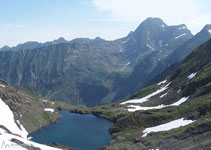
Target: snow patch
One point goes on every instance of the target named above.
(182, 100)
(2, 85)
(209, 31)
(49, 109)
(9, 145)
(180, 36)
(167, 126)
(151, 47)
(162, 82)
(7, 120)
(133, 108)
(182, 28)
(179, 91)
(128, 63)
(163, 95)
(192, 75)
(163, 26)
(148, 36)
(6, 143)
(45, 101)
(123, 42)
(146, 98)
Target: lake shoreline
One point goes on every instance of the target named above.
(100, 127)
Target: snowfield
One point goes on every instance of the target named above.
(6, 139)
(182, 100)
(133, 108)
(7, 120)
(146, 98)
(19, 133)
(167, 126)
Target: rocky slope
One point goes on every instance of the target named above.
(93, 72)
(151, 67)
(173, 114)
(21, 114)
(180, 53)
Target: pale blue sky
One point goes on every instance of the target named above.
(45, 20)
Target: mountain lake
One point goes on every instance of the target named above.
(82, 132)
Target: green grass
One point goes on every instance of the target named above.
(145, 91)
(192, 109)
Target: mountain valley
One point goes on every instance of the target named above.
(154, 85)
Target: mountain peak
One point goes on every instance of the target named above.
(5, 48)
(151, 19)
(98, 39)
(61, 39)
(154, 21)
(150, 24)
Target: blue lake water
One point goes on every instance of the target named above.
(83, 132)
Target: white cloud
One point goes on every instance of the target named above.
(21, 25)
(8, 25)
(15, 26)
(194, 13)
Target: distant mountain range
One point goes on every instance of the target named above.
(34, 44)
(96, 71)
